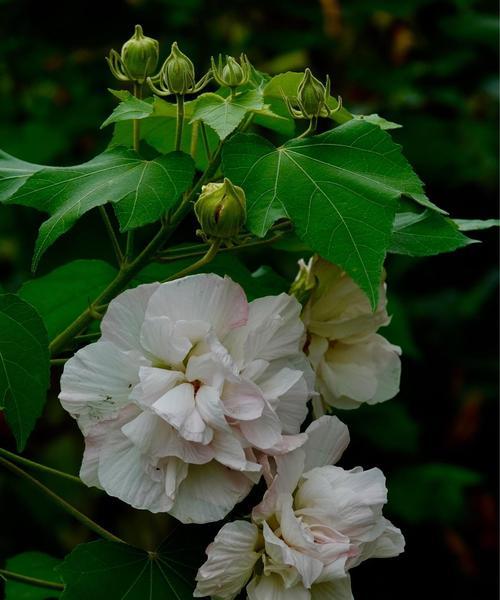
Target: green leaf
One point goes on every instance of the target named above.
(224, 115)
(425, 234)
(142, 191)
(61, 295)
(112, 571)
(431, 492)
(24, 365)
(339, 188)
(32, 564)
(13, 174)
(476, 224)
(158, 131)
(379, 121)
(130, 108)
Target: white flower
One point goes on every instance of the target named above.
(186, 382)
(353, 364)
(314, 524)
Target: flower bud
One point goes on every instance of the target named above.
(178, 72)
(305, 281)
(140, 55)
(233, 73)
(312, 96)
(221, 210)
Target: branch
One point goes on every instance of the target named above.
(49, 585)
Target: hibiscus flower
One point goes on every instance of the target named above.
(187, 382)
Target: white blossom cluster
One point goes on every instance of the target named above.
(193, 394)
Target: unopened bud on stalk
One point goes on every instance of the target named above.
(138, 59)
(221, 210)
(312, 95)
(177, 76)
(233, 73)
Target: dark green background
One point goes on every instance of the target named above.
(429, 65)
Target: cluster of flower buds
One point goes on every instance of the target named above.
(232, 74)
(312, 99)
(138, 58)
(221, 211)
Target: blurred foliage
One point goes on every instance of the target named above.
(430, 65)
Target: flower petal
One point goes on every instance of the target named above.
(209, 298)
(263, 432)
(208, 493)
(97, 381)
(327, 438)
(340, 589)
(271, 587)
(123, 320)
(159, 341)
(230, 561)
(153, 384)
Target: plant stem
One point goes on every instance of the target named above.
(194, 138)
(112, 235)
(129, 270)
(204, 137)
(136, 124)
(49, 585)
(180, 121)
(208, 256)
(87, 521)
(235, 248)
(39, 467)
(58, 362)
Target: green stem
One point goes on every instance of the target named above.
(58, 362)
(37, 466)
(313, 123)
(129, 270)
(180, 120)
(42, 583)
(112, 235)
(136, 125)
(204, 137)
(87, 521)
(234, 248)
(208, 257)
(194, 138)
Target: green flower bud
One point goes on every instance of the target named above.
(177, 72)
(221, 210)
(140, 55)
(312, 96)
(233, 73)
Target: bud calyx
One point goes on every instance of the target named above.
(221, 210)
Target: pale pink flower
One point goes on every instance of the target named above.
(353, 363)
(315, 523)
(188, 381)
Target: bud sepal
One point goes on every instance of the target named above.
(138, 59)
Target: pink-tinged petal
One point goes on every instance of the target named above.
(230, 561)
(289, 469)
(154, 383)
(210, 407)
(309, 568)
(271, 587)
(274, 330)
(124, 472)
(208, 493)
(160, 343)
(97, 381)
(209, 298)
(278, 383)
(263, 432)
(155, 437)
(123, 320)
(195, 429)
(340, 589)
(327, 438)
(229, 452)
(287, 444)
(242, 400)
